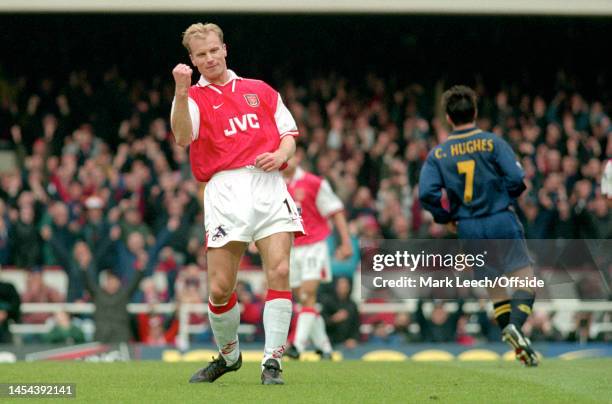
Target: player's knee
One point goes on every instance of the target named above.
(308, 299)
(281, 271)
(219, 294)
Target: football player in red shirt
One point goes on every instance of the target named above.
(240, 135)
(310, 262)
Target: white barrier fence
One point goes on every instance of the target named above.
(567, 307)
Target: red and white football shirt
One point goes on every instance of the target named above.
(234, 123)
(317, 201)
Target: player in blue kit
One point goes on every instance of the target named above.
(481, 177)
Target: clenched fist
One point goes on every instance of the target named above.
(182, 77)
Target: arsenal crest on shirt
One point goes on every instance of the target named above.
(252, 99)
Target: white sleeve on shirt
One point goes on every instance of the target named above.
(284, 121)
(194, 113)
(327, 201)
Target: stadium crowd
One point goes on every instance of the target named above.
(98, 186)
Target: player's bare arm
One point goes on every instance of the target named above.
(345, 249)
(273, 161)
(180, 119)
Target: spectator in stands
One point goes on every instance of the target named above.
(155, 330)
(97, 231)
(549, 195)
(381, 333)
(362, 204)
(9, 310)
(151, 294)
(189, 285)
(169, 265)
(251, 309)
(80, 259)
(156, 334)
(582, 332)
(564, 225)
(345, 267)
(583, 218)
(589, 286)
(441, 326)
(132, 222)
(5, 224)
(64, 232)
(25, 244)
(181, 209)
(195, 245)
(402, 334)
(368, 228)
(12, 186)
(539, 327)
(602, 218)
(111, 317)
(462, 336)
(64, 331)
(129, 253)
(37, 292)
(341, 315)
(531, 220)
(190, 288)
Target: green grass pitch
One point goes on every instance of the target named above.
(558, 381)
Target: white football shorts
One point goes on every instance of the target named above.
(309, 262)
(248, 204)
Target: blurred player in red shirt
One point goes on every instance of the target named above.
(310, 263)
(240, 134)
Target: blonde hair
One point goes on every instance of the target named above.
(200, 30)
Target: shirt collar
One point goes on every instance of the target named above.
(232, 76)
(463, 131)
(461, 134)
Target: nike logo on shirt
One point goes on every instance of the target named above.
(217, 106)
